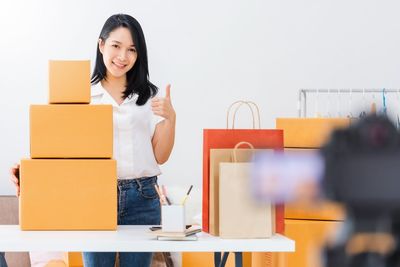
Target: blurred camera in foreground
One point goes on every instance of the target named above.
(358, 167)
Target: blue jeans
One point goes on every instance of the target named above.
(138, 204)
(3, 262)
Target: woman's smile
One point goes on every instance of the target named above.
(119, 65)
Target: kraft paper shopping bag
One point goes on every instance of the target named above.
(228, 138)
(216, 157)
(240, 216)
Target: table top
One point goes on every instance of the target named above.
(129, 238)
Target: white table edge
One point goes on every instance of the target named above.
(130, 239)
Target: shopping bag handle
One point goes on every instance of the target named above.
(252, 106)
(237, 146)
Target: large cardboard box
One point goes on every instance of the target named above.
(68, 194)
(308, 132)
(206, 259)
(310, 237)
(71, 131)
(69, 81)
(317, 211)
(250, 259)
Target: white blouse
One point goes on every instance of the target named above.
(134, 128)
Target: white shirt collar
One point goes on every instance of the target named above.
(106, 98)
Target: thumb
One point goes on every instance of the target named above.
(168, 91)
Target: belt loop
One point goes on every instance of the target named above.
(118, 185)
(139, 184)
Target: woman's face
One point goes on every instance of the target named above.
(119, 52)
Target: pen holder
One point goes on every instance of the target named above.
(173, 218)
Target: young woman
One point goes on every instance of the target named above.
(144, 129)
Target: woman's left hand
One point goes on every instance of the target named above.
(162, 106)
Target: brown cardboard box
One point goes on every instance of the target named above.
(321, 211)
(71, 131)
(308, 132)
(69, 81)
(317, 211)
(56, 263)
(310, 237)
(68, 194)
(74, 259)
(206, 259)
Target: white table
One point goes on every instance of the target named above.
(132, 238)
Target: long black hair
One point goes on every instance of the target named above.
(138, 76)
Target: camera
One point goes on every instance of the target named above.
(358, 167)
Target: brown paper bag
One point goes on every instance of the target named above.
(228, 138)
(239, 215)
(216, 157)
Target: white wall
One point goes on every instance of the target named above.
(212, 52)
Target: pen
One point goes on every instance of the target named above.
(164, 192)
(186, 196)
(160, 195)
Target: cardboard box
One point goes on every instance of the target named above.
(195, 259)
(322, 211)
(310, 237)
(69, 81)
(71, 131)
(56, 263)
(318, 211)
(308, 132)
(74, 259)
(68, 194)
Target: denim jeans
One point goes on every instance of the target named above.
(3, 262)
(138, 204)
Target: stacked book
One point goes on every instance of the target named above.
(188, 235)
(70, 180)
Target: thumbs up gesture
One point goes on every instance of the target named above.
(162, 106)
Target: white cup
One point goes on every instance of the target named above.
(173, 218)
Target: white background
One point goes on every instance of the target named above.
(212, 52)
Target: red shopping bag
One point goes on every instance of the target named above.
(228, 138)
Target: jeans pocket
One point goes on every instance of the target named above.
(148, 191)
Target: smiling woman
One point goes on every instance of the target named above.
(144, 130)
(121, 52)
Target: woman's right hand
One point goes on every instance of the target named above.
(14, 177)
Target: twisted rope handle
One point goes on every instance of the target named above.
(251, 106)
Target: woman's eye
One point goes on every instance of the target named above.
(114, 45)
(132, 50)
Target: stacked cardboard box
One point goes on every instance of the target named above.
(70, 181)
(309, 226)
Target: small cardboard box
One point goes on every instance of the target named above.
(68, 194)
(69, 81)
(71, 131)
(308, 132)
